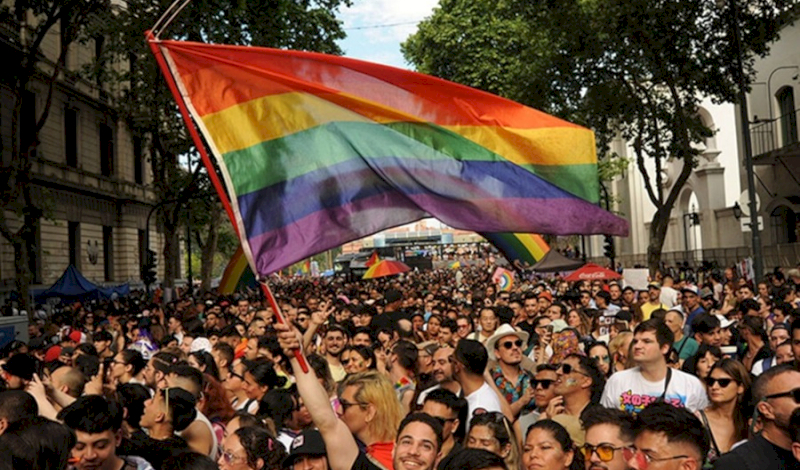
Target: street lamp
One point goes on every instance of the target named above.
(737, 210)
(744, 116)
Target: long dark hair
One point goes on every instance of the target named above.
(738, 372)
(258, 443)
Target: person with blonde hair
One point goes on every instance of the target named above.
(370, 409)
(619, 348)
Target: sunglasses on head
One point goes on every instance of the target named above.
(794, 393)
(710, 381)
(604, 451)
(545, 383)
(510, 344)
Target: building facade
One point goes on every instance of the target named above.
(90, 175)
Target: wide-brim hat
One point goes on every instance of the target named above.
(505, 330)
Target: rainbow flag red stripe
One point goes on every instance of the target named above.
(318, 150)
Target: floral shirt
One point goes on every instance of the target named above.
(513, 391)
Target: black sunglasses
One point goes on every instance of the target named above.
(545, 383)
(794, 393)
(346, 404)
(567, 369)
(710, 381)
(510, 344)
(443, 421)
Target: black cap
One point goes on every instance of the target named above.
(21, 365)
(308, 442)
(392, 295)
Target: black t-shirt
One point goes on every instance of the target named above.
(153, 450)
(757, 454)
(363, 462)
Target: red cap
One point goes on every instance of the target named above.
(52, 353)
(75, 336)
(546, 294)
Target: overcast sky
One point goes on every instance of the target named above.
(375, 28)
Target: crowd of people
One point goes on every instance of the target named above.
(436, 369)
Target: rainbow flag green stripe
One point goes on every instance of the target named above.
(254, 168)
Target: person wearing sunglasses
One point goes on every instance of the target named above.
(608, 432)
(506, 347)
(493, 432)
(580, 384)
(776, 394)
(726, 417)
(446, 407)
(600, 354)
(652, 379)
(667, 438)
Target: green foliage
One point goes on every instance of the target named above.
(630, 69)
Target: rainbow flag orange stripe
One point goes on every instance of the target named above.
(237, 274)
(318, 150)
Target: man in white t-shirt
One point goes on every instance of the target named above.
(633, 389)
(469, 363)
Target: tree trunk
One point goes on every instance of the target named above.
(209, 250)
(658, 234)
(23, 274)
(172, 246)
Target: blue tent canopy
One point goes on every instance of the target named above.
(73, 286)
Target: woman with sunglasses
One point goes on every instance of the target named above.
(600, 354)
(549, 447)
(491, 431)
(127, 367)
(726, 417)
(357, 359)
(234, 389)
(251, 448)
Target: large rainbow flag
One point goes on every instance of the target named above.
(318, 150)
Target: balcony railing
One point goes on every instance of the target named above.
(772, 135)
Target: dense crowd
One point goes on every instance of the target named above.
(435, 369)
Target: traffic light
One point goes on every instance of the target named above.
(608, 247)
(149, 272)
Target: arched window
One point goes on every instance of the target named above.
(788, 117)
(783, 221)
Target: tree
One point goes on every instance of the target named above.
(149, 108)
(35, 21)
(634, 68)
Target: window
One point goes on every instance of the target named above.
(75, 244)
(71, 137)
(788, 117)
(138, 160)
(142, 251)
(106, 150)
(108, 254)
(28, 123)
(783, 223)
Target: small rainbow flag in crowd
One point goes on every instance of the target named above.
(454, 265)
(374, 258)
(503, 278)
(317, 150)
